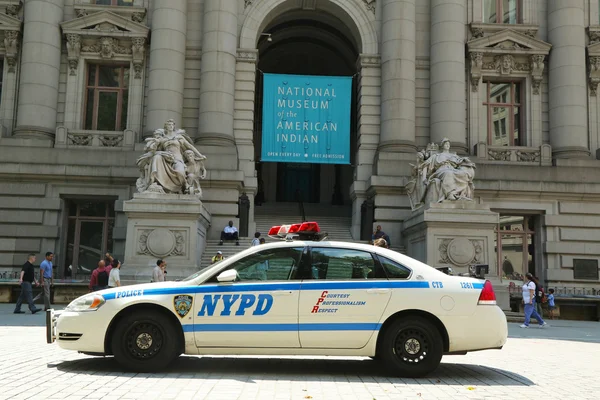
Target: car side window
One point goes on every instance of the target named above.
(393, 269)
(342, 264)
(267, 265)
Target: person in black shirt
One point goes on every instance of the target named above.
(26, 280)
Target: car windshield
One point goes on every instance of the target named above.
(196, 274)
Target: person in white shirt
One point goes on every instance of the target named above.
(529, 302)
(114, 279)
(230, 233)
(255, 241)
(158, 274)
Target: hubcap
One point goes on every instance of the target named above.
(144, 340)
(411, 345)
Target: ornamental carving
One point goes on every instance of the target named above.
(138, 50)
(371, 5)
(73, 52)
(138, 17)
(11, 44)
(477, 32)
(594, 36)
(80, 12)
(13, 10)
(499, 155)
(107, 47)
(461, 252)
(476, 68)
(161, 242)
(369, 61)
(594, 75)
(537, 71)
(528, 156)
(247, 3)
(80, 139)
(250, 56)
(111, 140)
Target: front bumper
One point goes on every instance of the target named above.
(51, 317)
(79, 331)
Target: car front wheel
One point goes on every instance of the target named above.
(145, 342)
(412, 347)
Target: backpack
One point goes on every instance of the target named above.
(103, 278)
(541, 296)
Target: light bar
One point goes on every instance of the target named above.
(287, 231)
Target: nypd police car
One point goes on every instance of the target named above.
(300, 296)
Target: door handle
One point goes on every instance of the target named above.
(378, 291)
(282, 293)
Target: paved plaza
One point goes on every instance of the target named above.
(560, 362)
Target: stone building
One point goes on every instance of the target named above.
(512, 83)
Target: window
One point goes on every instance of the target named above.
(89, 234)
(113, 2)
(268, 265)
(504, 114)
(394, 270)
(106, 97)
(342, 264)
(515, 250)
(501, 11)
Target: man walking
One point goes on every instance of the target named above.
(158, 274)
(26, 279)
(46, 279)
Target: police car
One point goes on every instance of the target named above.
(300, 296)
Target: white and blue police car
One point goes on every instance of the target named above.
(305, 296)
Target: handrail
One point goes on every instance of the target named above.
(301, 205)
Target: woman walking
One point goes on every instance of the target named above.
(529, 302)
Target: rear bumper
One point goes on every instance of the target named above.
(485, 329)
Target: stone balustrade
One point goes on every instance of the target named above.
(515, 154)
(76, 138)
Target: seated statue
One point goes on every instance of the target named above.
(163, 167)
(440, 176)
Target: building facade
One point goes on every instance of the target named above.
(512, 83)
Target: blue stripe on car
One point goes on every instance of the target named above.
(280, 327)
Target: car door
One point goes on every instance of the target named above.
(342, 303)
(259, 309)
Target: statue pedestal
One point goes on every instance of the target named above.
(455, 234)
(163, 226)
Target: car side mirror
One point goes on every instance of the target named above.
(227, 276)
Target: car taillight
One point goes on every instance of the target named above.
(487, 296)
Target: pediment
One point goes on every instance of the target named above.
(509, 41)
(594, 50)
(8, 23)
(104, 23)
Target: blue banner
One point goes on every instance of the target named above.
(306, 119)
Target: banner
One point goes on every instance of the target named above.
(306, 119)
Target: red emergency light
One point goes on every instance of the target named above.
(301, 229)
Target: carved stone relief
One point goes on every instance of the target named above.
(371, 5)
(498, 155)
(12, 10)
(594, 74)
(461, 252)
(138, 50)
(476, 69)
(107, 47)
(11, 44)
(73, 52)
(162, 242)
(247, 3)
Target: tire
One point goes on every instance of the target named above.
(411, 347)
(145, 342)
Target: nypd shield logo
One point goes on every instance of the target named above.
(183, 304)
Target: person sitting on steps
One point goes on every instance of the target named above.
(230, 233)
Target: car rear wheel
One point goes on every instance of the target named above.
(145, 342)
(412, 347)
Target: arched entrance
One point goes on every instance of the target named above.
(301, 40)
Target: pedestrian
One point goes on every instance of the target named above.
(380, 243)
(230, 232)
(529, 302)
(218, 257)
(158, 274)
(46, 280)
(114, 278)
(262, 241)
(256, 241)
(551, 304)
(379, 234)
(26, 280)
(99, 278)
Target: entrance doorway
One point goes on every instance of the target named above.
(305, 42)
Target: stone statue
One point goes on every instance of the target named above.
(163, 167)
(439, 176)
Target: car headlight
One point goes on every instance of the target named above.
(90, 302)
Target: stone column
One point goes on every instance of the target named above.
(398, 62)
(447, 73)
(567, 79)
(167, 63)
(40, 69)
(217, 76)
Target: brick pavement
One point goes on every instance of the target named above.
(529, 367)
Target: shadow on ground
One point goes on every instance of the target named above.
(295, 369)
